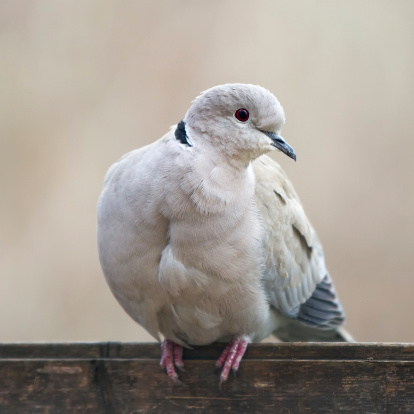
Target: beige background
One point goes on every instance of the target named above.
(82, 82)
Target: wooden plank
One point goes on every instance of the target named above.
(302, 350)
(273, 378)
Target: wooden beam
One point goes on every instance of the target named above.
(283, 378)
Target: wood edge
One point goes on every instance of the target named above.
(264, 351)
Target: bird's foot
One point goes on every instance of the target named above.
(171, 357)
(231, 357)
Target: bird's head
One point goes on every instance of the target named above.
(241, 121)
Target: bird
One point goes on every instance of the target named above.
(202, 237)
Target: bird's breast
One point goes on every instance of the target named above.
(212, 277)
(214, 223)
(225, 246)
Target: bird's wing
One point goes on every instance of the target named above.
(295, 277)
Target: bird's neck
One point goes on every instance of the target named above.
(219, 183)
(221, 150)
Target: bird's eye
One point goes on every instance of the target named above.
(242, 114)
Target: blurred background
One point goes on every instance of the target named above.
(81, 83)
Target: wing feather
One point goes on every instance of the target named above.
(295, 276)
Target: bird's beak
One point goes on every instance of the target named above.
(281, 144)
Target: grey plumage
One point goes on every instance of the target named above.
(202, 237)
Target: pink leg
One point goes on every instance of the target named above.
(231, 357)
(178, 357)
(171, 356)
(239, 355)
(224, 354)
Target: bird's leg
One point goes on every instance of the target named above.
(178, 357)
(231, 357)
(171, 357)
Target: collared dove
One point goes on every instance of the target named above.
(202, 237)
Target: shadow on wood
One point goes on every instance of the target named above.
(283, 378)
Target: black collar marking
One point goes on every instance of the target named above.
(181, 134)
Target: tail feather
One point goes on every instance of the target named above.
(297, 332)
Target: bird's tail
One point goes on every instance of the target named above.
(296, 332)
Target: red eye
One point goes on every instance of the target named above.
(242, 114)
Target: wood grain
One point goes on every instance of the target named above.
(273, 378)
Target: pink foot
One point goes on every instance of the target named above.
(171, 357)
(231, 357)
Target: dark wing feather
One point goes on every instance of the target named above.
(322, 309)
